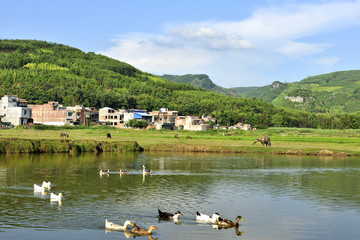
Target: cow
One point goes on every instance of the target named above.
(63, 134)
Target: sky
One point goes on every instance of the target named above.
(237, 43)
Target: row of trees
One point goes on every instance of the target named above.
(41, 72)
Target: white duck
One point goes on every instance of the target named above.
(46, 184)
(39, 188)
(145, 172)
(54, 197)
(200, 217)
(114, 226)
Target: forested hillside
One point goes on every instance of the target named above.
(338, 92)
(202, 81)
(40, 71)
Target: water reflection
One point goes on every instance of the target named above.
(306, 194)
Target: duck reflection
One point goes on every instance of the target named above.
(237, 231)
(40, 193)
(128, 234)
(144, 176)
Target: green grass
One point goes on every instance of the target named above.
(283, 139)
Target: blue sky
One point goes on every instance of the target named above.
(237, 43)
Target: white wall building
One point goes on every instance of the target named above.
(14, 110)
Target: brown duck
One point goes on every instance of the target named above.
(228, 223)
(142, 231)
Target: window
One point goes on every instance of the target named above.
(4, 107)
(25, 112)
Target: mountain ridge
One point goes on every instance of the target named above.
(338, 92)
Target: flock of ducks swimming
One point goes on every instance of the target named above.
(215, 219)
(124, 172)
(200, 218)
(47, 186)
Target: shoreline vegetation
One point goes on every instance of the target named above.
(290, 141)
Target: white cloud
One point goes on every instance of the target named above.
(268, 34)
(328, 63)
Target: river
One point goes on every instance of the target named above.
(279, 197)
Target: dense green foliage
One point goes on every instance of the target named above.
(202, 81)
(337, 92)
(39, 72)
(136, 123)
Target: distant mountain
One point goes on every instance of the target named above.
(202, 81)
(338, 92)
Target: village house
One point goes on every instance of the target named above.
(242, 126)
(53, 113)
(164, 119)
(83, 115)
(194, 123)
(14, 111)
(119, 118)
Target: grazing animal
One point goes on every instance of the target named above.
(200, 217)
(108, 135)
(114, 226)
(188, 137)
(263, 140)
(166, 215)
(142, 231)
(176, 135)
(228, 223)
(146, 172)
(63, 134)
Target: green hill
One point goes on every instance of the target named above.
(202, 81)
(338, 92)
(39, 72)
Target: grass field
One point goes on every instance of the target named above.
(284, 140)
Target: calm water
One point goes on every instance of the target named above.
(279, 197)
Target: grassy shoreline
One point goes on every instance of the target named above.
(284, 141)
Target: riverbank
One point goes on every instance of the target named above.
(284, 141)
(18, 145)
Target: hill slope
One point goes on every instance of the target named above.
(202, 81)
(338, 92)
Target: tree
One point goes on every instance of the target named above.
(136, 123)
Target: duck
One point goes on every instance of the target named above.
(105, 172)
(54, 197)
(123, 172)
(166, 215)
(228, 223)
(200, 217)
(142, 231)
(114, 226)
(39, 188)
(146, 172)
(46, 184)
